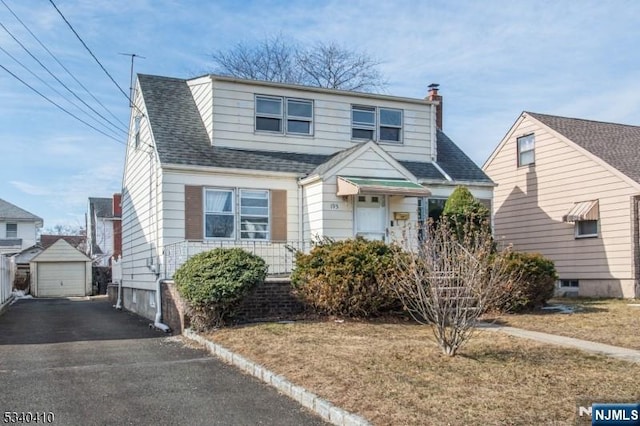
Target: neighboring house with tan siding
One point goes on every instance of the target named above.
(570, 189)
(223, 162)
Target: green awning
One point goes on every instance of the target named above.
(359, 185)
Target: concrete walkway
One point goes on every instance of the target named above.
(625, 354)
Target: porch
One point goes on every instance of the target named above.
(279, 256)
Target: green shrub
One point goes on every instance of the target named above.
(532, 284)
(464, 213)
(213, 283)
(346, 278)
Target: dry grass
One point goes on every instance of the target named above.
(610, 321)
(393, 374)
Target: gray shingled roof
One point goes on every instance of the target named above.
(10, 211)
(181, 139)
(617, 144)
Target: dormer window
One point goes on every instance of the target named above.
(12, 230)
(268, 114)
(377, 124)
(271, 114)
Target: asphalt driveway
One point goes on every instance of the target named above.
(89, 364)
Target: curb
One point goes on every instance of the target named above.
(329, 412)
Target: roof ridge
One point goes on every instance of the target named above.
(579, 119)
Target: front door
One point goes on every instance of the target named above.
(371, 216)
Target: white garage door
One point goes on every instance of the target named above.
(61, 279)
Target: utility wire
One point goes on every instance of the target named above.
(89, 50)
(62, 108)
(58, 80)
(62, 65)
(51, 87)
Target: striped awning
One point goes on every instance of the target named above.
(353, 186)
(585, 210)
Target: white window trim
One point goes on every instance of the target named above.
(268, 115)
(568, 286)
(299, 118)
(577, 228)
(233, 214)
(400, 127)
(284, 116)
(377, 124)
(268, 216)
(6, 230)
(519, 152)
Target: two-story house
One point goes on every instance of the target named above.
(18, 228)
(219, 161)
(569, 188)
(104, 229)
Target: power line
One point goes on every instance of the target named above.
(62, 108)
(58, 80)
(89, 50)
(48, 85)
(62, 65)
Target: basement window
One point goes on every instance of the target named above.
(569, 283)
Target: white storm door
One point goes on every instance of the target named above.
(371, 216)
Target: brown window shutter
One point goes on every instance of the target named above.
(193, 214)
(278, 215)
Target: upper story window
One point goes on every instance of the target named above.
(390, 125)
(12, 230)
(526, 146)
(381, 124)
(272, 112)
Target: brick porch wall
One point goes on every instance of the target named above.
(271, 300)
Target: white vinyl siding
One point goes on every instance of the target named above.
(529, 204)
(234, 121)
(173, 197)
(142, 220)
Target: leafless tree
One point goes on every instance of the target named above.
(283, 60)
(449, 283)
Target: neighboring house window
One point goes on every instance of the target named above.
(390, 125)
(12, 230)
(586, 228)
(387, 127)
(526, 150)
(270, 114)
(219, 213)
(136, 130)
(254, 214)
(570, 283)
(363, 123)
(299, 116)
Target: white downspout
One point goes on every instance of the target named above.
(158, 320)
(301, 217)
(118, 304)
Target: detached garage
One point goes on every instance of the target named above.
(61, 271)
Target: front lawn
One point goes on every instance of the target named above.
(611, 321)
(393, 373)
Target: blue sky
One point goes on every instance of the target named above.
(492, 59)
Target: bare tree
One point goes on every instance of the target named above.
(449, 283)
(335, 67)
(283, 60)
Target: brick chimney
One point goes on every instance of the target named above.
(434, 96)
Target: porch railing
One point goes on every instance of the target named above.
(6, 283)
(279, 256)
